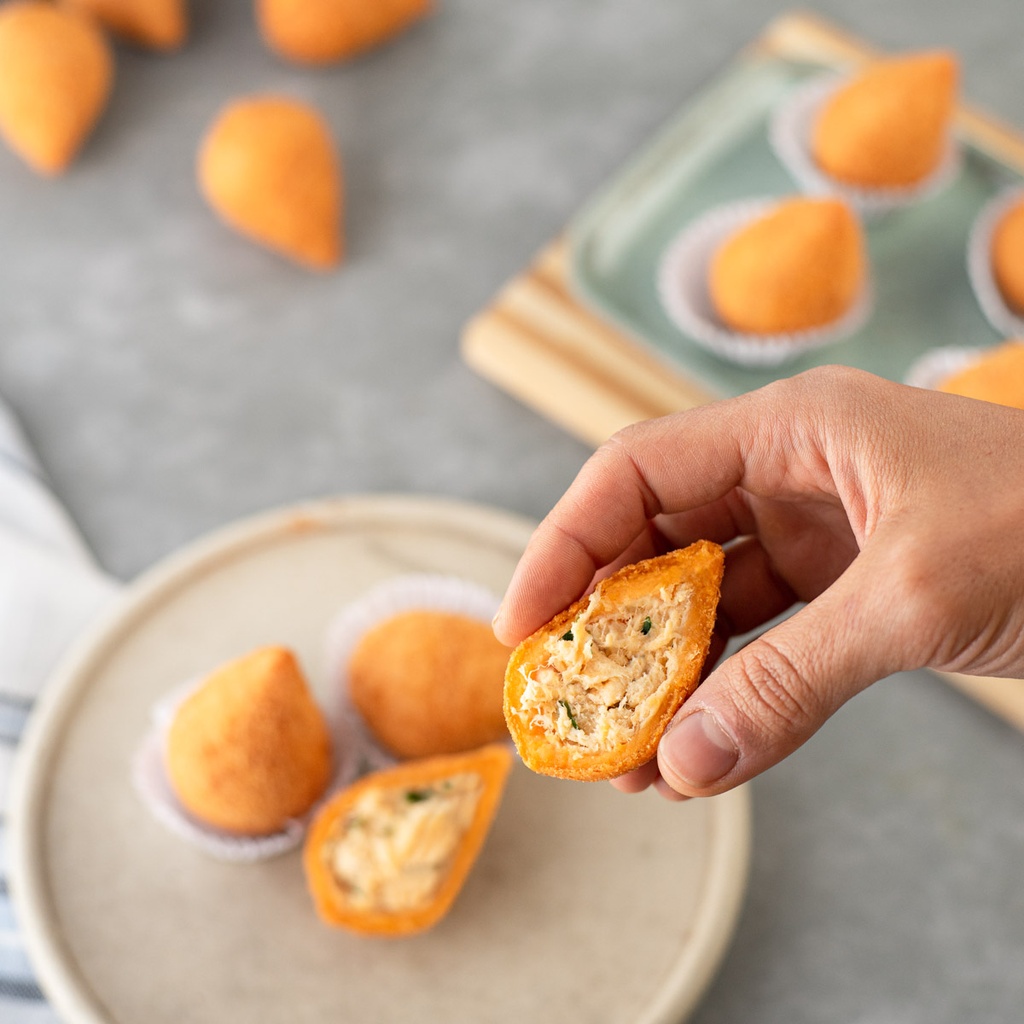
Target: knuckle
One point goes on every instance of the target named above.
(832, 387)
(932, 601)
(626, 442)
(626, 450)
(919, 592)
(773, 694)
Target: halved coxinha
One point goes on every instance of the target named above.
(389, 854)
(589, 695)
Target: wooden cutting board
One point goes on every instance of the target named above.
(540, 343)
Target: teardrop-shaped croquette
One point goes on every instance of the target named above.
(429, 682)
(321, 31)
(268, 167)
(154, 24)
(389, 855)
(801, 265)
(1007, 256)
(996, 376)
(589, 695)
(56, 72)
(249, 749)
(889, 125)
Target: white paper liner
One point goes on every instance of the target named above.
(979, 264)
(938, 364)
(791, 130)
(683, 290)
(398, 594)
(149, 776)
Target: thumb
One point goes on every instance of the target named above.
(766, 700)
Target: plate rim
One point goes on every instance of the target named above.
(63, 984)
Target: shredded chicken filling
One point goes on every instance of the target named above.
(599, 679)
(393, 849)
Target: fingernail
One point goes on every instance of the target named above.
(698, 750)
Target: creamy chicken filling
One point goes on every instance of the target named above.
(393, 849)
(600, 678)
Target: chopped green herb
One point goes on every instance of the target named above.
(415, 796)
(567, 636)
(646, 627)
(568, 711)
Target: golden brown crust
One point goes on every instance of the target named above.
(155, 24)
(429, 682)
(698, 566)
(322, 31)
(799, 266)
(888, 127)
(250, 749)
(268, 168)
(492, 763)
(997, 377)
(56, 72)
(1008, 257)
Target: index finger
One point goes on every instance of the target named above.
(679, 463)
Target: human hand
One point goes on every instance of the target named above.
(895, 513)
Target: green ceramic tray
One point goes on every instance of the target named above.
(717, 151)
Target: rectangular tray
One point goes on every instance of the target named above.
(717, 151)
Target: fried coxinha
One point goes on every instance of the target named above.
(389, 854)
(588, 695)
(249, 749)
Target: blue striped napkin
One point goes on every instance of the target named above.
(50, 588)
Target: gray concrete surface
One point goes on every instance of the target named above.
(173, 377)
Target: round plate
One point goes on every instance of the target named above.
(584, 905)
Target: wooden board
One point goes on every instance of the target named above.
(536, 341)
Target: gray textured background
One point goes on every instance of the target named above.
(173, 377)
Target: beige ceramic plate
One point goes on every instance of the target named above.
(585, 904)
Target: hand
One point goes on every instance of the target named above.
(895, 513)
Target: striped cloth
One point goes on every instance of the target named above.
(49, 589)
